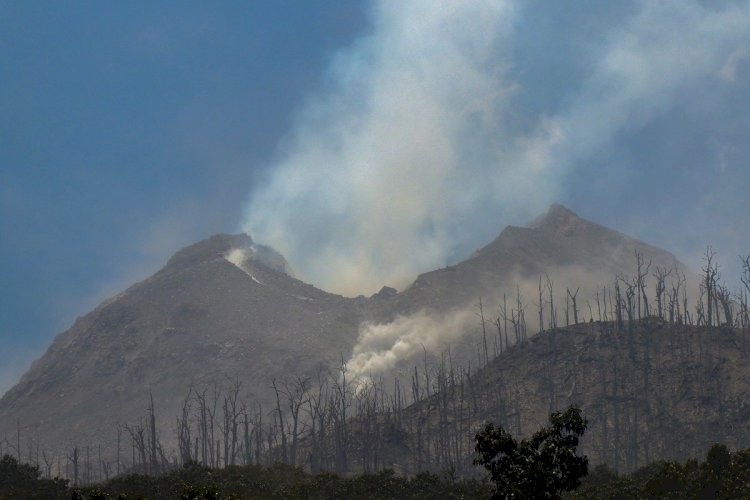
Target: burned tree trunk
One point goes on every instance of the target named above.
(710, 274)
(573, 297)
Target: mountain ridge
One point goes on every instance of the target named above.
(204, 319)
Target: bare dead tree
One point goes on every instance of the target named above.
(87, 467)
(154, 463)
(724, 297)
(627, 302)
(710, 275)
(258, 432)
(640, 282)
(499, 326)
(618, 304)
(184, 430)
(212, 412)
(338, 407)
(541, 305)
(745, 278)
(230, 421)
(661, 274)
(296, 397)
(503, 313)
(552, 315)
(18, 440)
(607, 304)
(573, 297)
(49, 460)
(119, 437)
(281, 420)
(272, 442)
(744, 293)
(521, 317)
(484, 331)
(247, 437)
(74, 458)
(205, 436)
(138, 443)
(686, 319)
(426, 373)
(317, 414)
(678, 281)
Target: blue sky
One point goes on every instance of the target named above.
(131, 129)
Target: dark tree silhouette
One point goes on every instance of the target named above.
(19, 480)
(540, 467)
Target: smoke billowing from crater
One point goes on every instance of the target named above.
(383, 169)
(416, 146)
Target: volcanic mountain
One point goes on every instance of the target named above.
(573, 251)
(574, 257)
(198, 321)
(226, 308)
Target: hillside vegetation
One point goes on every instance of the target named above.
(651, 391)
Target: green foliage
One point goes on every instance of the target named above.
(537, 466)
(280, 481)
(540, 467)
(723, 474)
(25, 481)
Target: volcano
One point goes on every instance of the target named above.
(227, 309)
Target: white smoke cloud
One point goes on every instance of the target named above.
(663, 52)
(389, 168)
(237, 256)
(383, 169)
(381, 346)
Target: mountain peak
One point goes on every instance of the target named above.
(555, 216)
(216, 246)
(558, 221)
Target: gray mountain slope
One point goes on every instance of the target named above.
(196, 322)
(575, 253)
(203, 319)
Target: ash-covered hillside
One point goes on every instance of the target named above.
(225, 310)
(197, 322)
(573, 251)
(650, 389)
(560, 259)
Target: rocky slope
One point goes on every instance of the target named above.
(575, 253)
(197, 322)
(651, 392)
(225, 308)
(572, 252)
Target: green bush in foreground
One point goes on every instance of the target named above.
(25, 481)
(723, 474)
(540, 467)
(196, 482)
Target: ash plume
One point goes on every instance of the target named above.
(384, 167)
(412, 153)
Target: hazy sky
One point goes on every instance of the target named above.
(380, 138)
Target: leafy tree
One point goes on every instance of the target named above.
(540, 467)
(24, 481)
